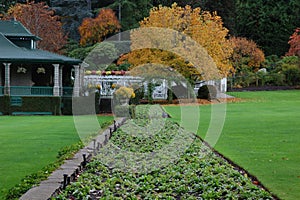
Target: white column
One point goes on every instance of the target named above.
(60, 80)
(83, 65)
(7, 79)
(56, 80)
(81, 76)
(77, 81)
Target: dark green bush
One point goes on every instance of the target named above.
(139, 94)
(38, 104)
(207, 92)
(66, 105)
(4, 105)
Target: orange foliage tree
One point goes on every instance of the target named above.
(41, 21)
(294, 43)
(203, 27)
(246, 53)
(95, 30)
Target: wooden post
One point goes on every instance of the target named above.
(56, 80)
(60, 81)
(7, 79)
(77, 80)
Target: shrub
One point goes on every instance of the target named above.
(148, 111)
(207, 92)
(124, 111)
(124, 92)
(5, 105)
(139, 94)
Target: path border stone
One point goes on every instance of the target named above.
(71, 167)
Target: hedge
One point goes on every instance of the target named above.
(31, 104)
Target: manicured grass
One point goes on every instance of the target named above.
(262, 135)
(29, 143)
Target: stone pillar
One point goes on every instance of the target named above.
(56, 80)
(60, 81)
(7, 79)
(77, 81)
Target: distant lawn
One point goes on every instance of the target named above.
(263, 136)
(29, 143)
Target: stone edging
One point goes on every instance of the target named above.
(71, 168)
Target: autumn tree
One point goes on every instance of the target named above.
(204, 28)
(294, 43)
(246, 53)
(166, 58)
(41, 21)
(93, 30)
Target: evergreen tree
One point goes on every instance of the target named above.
(130, 12)
(269, 23)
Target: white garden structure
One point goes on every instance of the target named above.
(160, 90)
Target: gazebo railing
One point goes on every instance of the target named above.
(35, 91)
(31, 91)
(1, 90)
(67, 91)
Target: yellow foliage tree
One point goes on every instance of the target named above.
(202, 27)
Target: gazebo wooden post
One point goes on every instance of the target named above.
(82, 67)
(56, 80)
(60, 81)
(81, 76)
(7, 79)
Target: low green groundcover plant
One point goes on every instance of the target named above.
(197, 173)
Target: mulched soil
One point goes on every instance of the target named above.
(204, 101)
(185, 102)
(264, 88)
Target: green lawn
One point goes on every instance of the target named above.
(262, 135)
(29, 143)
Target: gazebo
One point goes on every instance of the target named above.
(26, 71)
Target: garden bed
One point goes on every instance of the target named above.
(196, 171)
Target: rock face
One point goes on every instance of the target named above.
(72, 13)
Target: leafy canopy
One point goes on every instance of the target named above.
(294, 43)
(246, 53)
(41, 21)
(269, 23)
(204, 28)
(95, 30)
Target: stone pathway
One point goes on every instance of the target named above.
(70, 169)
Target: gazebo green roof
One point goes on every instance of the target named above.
(12, 28)
(9, 52)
